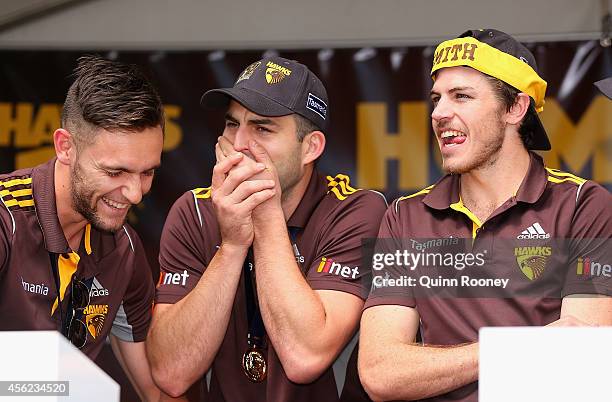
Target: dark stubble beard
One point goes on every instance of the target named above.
(82, 194)
(488, 154)
(290, 173)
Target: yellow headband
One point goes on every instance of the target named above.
(473, 53)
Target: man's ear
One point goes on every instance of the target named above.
(65, 149)
(519, 109)
(312, 146)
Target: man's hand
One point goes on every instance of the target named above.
(235, 193)
(224, 149)
(260, 214)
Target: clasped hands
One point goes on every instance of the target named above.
(245, 191)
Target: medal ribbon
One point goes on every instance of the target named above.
(257, 330)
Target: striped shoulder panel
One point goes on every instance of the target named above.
(558, 176)
(201, 192)
(424, 191)
(340, 186)
(16, 193)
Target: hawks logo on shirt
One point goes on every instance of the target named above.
(532, 260)
(95, 314)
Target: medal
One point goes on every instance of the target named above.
(254, 364)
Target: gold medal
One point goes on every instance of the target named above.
(254, 364)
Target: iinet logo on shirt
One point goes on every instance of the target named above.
(586, 267)
(169, 278)
(329, 266)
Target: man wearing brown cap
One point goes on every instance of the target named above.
(68, 260)
(261, 277)
(499, 197)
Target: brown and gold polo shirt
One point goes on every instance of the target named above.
(331, 220)
(548, 241)
(113, 267)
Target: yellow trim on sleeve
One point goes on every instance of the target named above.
(22, 203)
(564, 177)
(426, 190)
(15, 182)
(16, 193)
(340, 186)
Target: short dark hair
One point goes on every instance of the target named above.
(110, 95)
(507, 95)
(304, 126)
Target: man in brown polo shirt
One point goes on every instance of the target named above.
(261, 276)
(68, 261)
(499, 197)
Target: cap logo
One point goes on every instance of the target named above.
(466, 50)
(246, 74)
(316, 105)
(276, 73)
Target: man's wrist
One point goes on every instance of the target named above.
(227, 249)
(268, 221)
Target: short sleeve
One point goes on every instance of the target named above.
(181, 256)
(133, 318)
(384, 277)
(590, 245)
(338, 264)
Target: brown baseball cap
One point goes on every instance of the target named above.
(275, 86)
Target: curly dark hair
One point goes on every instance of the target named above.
(507, 94)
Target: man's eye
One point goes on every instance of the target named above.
(463, 96)
(111, 173)
(149, 173)
(230, 124)
(263, 129)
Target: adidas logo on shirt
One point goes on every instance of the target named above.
(534, 231)
(97, 289)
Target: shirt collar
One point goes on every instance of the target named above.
(315, 191)
(43, 191)
(534, 183)
(446, 191)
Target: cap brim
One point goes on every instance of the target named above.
(605, 86)
(254, 101)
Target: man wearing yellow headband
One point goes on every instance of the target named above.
(485, 98)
